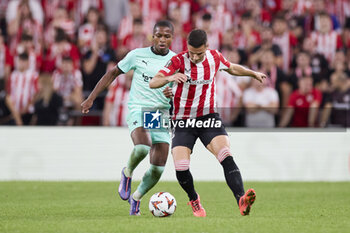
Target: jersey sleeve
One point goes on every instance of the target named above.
(224, 63)
(172, 66)
(128, 62)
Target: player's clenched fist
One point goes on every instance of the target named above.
(86, 105)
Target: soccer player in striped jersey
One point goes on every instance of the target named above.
(145, 62)
(193, 74)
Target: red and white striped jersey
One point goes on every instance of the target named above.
(197, 96)
(327, 44)
(22, 87)
(118, 96)
(65, 84)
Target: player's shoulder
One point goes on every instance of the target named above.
(214, 52)
(140, 51)
(179, 56)
(172, 53)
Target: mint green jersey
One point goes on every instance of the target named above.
(145, 64)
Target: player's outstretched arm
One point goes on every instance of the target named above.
(104, 82)
(160, 79)
(239, 70)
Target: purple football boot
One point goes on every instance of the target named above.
(134, 206)
(124, 186)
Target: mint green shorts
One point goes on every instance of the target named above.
(135, 120)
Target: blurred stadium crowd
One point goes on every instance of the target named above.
(53, 52)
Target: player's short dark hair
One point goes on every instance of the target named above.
(197, 37)
(164, 23)
(23, 56)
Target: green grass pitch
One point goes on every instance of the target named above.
(34, 207)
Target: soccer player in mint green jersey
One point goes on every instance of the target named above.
(145, 62)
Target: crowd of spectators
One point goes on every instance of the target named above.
(53, 52)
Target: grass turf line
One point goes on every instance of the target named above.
(34, 207)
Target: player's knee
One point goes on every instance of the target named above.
(182, 165)
(156, 171)
(223, 154)
(142, 149)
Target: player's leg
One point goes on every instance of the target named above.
(182, 145)
(142, 145)
(181, 157)
(158, 157)
(217, 142)
(220, 147)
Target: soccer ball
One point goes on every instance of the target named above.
(162, 204)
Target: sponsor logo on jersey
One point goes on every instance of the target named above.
(197, 82)
(146, 78)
